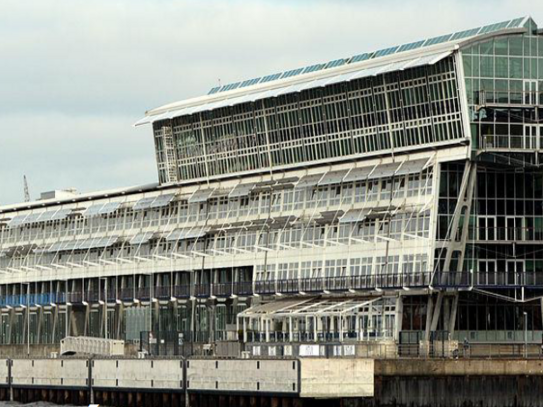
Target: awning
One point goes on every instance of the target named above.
(309, 181)
(144, 203)
(101, 209)
(354, 215)
(272, 307)
(177, 234)
(141, 238)
(358, 174)
(162, 200)
(84, 244)
(411, 167)
(196, 232)
(241, 190)
(201, 195)
(333, 177)
(187, 233)
(384, 171)
(310, 307)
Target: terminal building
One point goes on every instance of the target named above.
(394, 196)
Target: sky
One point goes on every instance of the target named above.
(75, 75)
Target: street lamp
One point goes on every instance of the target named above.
(525, 335)
(27, 318)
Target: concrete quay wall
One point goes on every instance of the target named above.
(292, 382)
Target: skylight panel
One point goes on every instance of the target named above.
(272, 77)
(249, 82)
(214, 90)
(313, 68)
(515, 23)
(335, 63)
(385, 52)
(291, 73)
(410, 46)
(464, 34)
(437, 40)
(360, 57)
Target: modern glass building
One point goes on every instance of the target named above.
(392, 196)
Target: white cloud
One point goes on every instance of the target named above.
(76, 74)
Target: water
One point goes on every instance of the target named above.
(35, 404)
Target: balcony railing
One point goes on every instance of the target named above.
(496, 97)
(442, 279)
(513, 233)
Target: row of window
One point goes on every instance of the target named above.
(355, 266)
(232, 209)
(403, 109)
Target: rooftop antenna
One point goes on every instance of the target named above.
(27, 194)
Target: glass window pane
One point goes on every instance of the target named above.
(515, 68)
(515, 46)
(502, 67)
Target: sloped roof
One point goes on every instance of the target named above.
(418, 53)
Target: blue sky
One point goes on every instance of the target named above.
(75, 75)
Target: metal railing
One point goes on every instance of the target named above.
(496, 97)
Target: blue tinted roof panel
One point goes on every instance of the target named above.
(410, 46)
(515, 23)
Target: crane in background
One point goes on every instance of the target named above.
(27, 193)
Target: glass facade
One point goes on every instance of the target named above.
(341, 194)
(397, 111)
(503, 76)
